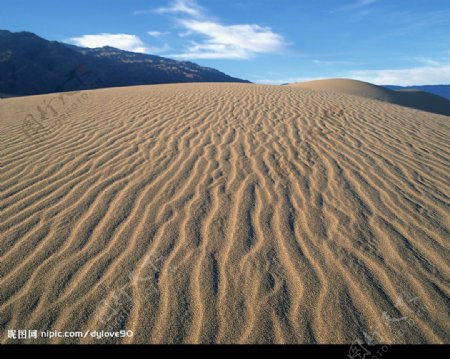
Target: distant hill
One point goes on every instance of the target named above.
(410, 98)
(440, 90)
(31, 65)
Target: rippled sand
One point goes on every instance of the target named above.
(224, 213)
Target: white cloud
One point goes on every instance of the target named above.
(120, 41)
(209, 39)
(156, 33)
(230, 42)
(187, 7)
(424, 75)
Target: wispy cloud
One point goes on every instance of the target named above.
(187, 7)
(358, 8)
(336, 63)
(159, 50)
(427, 72)
(356, 5)
(156, 33)
(232, 42)
(409, 23)
(120, 41)
(427, 61)
(436, 74)
(209, 39)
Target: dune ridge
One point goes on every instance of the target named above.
(416, 99)
(224, 213)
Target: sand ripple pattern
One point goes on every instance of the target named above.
(226, 213)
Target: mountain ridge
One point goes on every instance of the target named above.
(31, 65)
(440, 90)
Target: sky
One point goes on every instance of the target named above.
(396, 42)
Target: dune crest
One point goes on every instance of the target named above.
(419, 100)
(224, 213)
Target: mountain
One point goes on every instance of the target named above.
(31, 65)
(412, 98)
(440, 90)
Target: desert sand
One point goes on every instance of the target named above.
(416, 99)
(224, 213)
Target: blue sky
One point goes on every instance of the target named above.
(265, 41)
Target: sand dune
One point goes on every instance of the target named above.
(224, 213)
(409, 98)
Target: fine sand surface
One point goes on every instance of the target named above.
(224, 213)
(409, 98)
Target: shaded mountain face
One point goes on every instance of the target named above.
(30, 65)
(440, 90)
